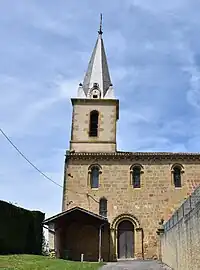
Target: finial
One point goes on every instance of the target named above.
(100, 27)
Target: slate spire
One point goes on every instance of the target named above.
(97, 74)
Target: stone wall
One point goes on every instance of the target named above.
(156, 199)
(180, 243)
(106, 138)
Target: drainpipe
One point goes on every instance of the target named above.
(100, 240)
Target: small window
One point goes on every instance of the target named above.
(177, 176)
(93, 132)
(136, 177)
(103, 207)
(94, 177)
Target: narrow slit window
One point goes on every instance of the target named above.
(103, 207)
(177, 177)
(94, 117)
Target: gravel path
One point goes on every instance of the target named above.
(135, 265)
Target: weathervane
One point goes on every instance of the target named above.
(100, 27)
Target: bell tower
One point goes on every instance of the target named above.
(95, 109)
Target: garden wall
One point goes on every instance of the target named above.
(180, 243)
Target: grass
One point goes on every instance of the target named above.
(35, 262)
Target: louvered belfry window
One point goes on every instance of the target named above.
(94, 118)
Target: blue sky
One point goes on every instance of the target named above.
(153, 51)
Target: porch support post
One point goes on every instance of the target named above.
(100, 240)
(113, 250)
(139, 252)
(100, 243)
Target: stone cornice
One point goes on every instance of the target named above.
(88, 101)
(134, 155)
(95, 141)
(94, 101)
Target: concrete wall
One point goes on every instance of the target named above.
(180, 243)
(51, 237)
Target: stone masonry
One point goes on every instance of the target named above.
(108, 115)
(140, 208)
(156, 199)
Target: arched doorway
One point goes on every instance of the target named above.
(125, 240)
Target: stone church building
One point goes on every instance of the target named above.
(113, 201)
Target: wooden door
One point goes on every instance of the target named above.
(125, 240)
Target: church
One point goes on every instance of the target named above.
(113, 201)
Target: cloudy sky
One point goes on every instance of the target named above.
(153, 50)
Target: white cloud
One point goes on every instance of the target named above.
(66, 88)
(153, 50)
(159, 6)
(189, 65)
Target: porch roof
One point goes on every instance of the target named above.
(72, 212)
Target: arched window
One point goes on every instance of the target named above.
(177, 176)
(136, 177)
(136, 171)
(177, 170)
(94, 177)
(94, 117)
(103, 207)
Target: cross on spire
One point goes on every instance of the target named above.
(100, 26)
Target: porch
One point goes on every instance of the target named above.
(79, 234)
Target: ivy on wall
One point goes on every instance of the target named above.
(20, 230)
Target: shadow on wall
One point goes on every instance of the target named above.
(77, 239)
(80, 241)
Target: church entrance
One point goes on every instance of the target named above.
(125, 240)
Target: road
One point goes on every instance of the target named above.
(135, 265)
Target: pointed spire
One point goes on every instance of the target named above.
(97, 72)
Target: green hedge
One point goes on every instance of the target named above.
(20, 230)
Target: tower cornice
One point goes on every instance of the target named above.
(86, 101)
